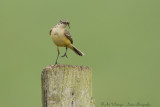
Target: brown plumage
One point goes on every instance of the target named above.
(62, 38)
(67, 34)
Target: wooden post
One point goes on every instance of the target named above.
(67, 86)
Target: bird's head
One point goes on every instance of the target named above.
(64, 23)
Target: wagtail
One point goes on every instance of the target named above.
(62, 38)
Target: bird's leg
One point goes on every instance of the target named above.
(57, 55)
(65, 54)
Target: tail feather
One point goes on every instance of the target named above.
(78, 52)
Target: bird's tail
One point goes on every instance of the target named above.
(78, 52)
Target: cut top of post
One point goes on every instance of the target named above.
(68, 66)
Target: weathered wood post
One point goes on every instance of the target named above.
(67, 86)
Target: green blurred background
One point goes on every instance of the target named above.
(120, 39)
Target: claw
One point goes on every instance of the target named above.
(55, 63)
(65, 55)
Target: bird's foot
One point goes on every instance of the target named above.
(55, 63)
(65, 55)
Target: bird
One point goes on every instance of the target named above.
(62, 38)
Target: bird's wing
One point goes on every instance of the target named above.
(50, 31)
(67, 34)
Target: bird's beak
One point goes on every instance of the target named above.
(68, 25)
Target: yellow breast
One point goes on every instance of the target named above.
(59, 38)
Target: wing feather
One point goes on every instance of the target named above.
(67, 34)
